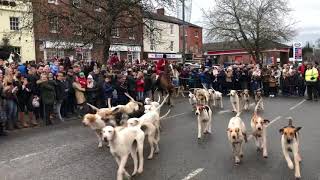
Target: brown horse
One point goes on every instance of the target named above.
(164, 83)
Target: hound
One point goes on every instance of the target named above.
(151, 105)
(258, 97)
(150, 130)
(259, 129)
(192, 100)
(95, 122)
(125, 141)
(237, 137)
(214, 96)
(290, 143)
(204, 118)
(235, 101)
(246, 99)
(202, 96)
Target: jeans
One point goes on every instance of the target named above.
(12, 111)
(140, 96)
(58, 109)
(48, 109)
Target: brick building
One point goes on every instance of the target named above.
(194, 43)
(56, 37)
(232, 52)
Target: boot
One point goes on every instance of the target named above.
(2, 132)
(17, 126)
(34, 122)
(23, 120)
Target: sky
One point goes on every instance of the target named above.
(305, 12)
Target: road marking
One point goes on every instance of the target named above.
(193, 174)
(252, 104)
(169, 117)
(274, 120)
(31, 155)
(225, 111)
(297, 105)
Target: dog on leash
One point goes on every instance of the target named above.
(290, 143)
(204, 118)
(246, 99)
(257, 98)
(215, 96)
(259, 129)
(124, 141)
(237, 137)
(235, 101)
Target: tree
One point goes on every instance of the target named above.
(250, 23)
(94, 22)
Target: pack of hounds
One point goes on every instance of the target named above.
(124, 128)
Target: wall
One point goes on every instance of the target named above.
(192, 41)
(23, 38)
(164, 38)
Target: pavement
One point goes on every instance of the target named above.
(68, 151)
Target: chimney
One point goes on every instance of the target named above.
(160, 11)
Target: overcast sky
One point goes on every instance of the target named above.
(306, 13)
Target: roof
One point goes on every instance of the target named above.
(226, 46)
(169, 19)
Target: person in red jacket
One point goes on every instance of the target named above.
(82, 80)
(160, 65)
(140, 86)
(114, 60)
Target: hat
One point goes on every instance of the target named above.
(89, 77)
(81, 74)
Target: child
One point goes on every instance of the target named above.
(107, 91)
(273, 86)
(140, 86)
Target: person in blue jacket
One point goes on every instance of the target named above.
(107, 91)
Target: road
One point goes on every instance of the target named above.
(69, 151)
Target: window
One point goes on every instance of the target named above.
(76, 3)
(171, 46)
(171, 28)
(14, 23)
(196, 34)
(53, 53)
(152, 41)
(53, 1)
(53, 24)
(17, 50)
(131, 33)
(186, 32)
(115, 33)
(87, 55)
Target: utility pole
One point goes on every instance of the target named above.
(183, 34)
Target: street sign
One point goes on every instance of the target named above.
(297, 51)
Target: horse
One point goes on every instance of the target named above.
(164, 83)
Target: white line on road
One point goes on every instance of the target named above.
(31, 155)
(252, 104)
(225, 111)
(274, 120)
(297, 105)
(169, 117)
(193, 174)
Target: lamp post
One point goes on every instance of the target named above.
(183, 34)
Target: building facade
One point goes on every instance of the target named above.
(232, 53)
(193, 43)
(15, 17)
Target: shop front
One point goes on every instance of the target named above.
(157, 56)
(127, 52)
(51, 50)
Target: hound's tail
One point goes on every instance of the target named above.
(256, 108)
(93, 107)
(290, 121)
(165, 114)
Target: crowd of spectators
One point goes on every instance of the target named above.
(53, 91)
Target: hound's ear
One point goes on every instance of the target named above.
(228, 129)
(297, 129)
(281, 130)
(266, 121)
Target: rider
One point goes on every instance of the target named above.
(161, 64)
